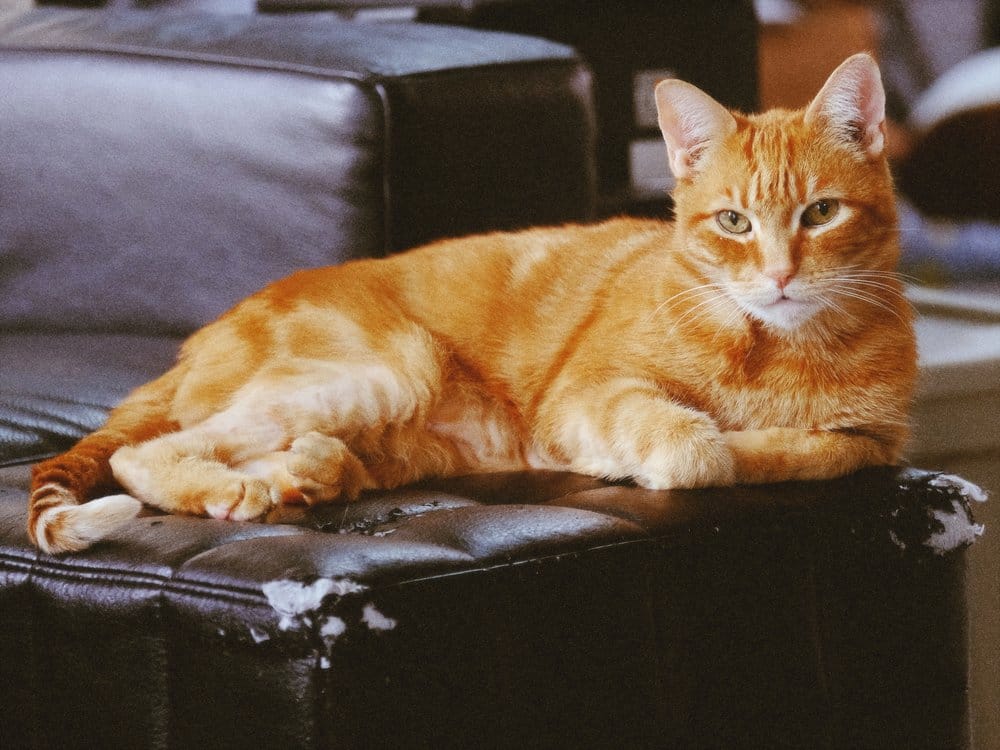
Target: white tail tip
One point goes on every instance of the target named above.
(70, 528)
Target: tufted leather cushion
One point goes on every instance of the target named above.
(510, 610)
(55, 388)
(166, 165)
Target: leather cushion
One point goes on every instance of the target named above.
(55, 388)
(161, 166)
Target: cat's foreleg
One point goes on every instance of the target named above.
(781, 454)
(629, 428)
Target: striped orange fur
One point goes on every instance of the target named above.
(761, 336)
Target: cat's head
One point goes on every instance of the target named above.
(786, 213)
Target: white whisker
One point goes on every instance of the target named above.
(832, 305)
(710, 306)
(734, 315)
(870, 299)
(856, 271)
(697, 292)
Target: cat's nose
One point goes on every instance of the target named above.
(781, 276)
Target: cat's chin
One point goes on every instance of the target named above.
(784, 315)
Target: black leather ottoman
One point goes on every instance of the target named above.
(516, 610)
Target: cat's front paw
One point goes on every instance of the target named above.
(689, 455)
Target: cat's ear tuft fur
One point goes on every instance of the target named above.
(852, 103)
(691, 121)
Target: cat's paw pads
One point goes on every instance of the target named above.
(322, 469)
(246, 500)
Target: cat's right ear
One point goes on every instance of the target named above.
(852, 104)
(690, 121)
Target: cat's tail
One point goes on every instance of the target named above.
(62, 514)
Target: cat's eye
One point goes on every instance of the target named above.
(733, 221)
(821, 212)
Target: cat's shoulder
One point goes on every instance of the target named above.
(598, 237)
(601, 236)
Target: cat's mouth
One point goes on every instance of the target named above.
(783, 299)
(784, 310)
(789, 304)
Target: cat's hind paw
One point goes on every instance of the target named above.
(322, 469)
(245, 500)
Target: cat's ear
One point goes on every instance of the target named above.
(852, 103)
(691, 121)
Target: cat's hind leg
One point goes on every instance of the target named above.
(291, 433)
(186, 472)
(284, 438)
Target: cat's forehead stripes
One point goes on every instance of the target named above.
(773, 166)
(735, 196)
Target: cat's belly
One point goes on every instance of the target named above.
(484, 433)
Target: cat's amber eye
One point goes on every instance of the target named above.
(733, 221)
(821, 212)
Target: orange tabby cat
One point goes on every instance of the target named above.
(761, 336)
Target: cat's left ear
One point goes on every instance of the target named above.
(691, 121)
(852, 102)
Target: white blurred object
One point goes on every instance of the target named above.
(777, 12)
(973, 83)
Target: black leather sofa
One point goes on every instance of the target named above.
(158, 166)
